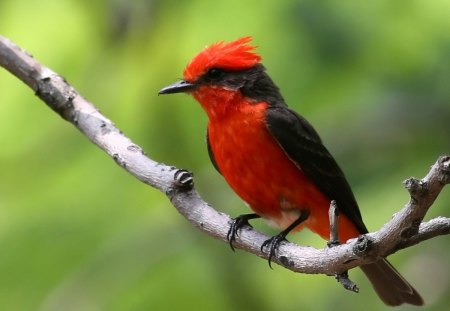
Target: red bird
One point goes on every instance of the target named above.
(273, 158)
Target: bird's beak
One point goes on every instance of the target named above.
(178, 87)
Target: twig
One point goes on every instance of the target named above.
(333, 214)
(341, 277)
(403, 230)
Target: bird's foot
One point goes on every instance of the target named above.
(236, 225)
(272, 244)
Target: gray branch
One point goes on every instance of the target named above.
(404, 230)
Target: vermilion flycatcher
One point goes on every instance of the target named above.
(273, 158)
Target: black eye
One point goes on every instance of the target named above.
(215, 73)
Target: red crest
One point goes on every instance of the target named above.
(235, 55)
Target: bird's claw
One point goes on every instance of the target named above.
(272, 244)
(236, 225)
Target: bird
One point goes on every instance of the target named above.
(273, 158)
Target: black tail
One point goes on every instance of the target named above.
(390, 286)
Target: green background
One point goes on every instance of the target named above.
(79, 233)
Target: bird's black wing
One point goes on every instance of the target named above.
(211, 154)
(304, 147)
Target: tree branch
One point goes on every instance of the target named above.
(404, 230)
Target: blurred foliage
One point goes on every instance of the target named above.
(78, 233)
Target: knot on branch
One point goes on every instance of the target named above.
(286, 262)
(183, 179)
(363, 245)
(57, 93)
(444, 169)
(415, 187)
(412, 230)
(119, 160)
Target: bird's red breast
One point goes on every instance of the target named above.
(257, 168)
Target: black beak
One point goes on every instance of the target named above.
(178, 87)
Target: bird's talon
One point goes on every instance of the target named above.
(272, 244)
(233, 232)
(236, 225)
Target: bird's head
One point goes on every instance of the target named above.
(224, 71)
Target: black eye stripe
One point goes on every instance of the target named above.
(215, 73)
(253, 83)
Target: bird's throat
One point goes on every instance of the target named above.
(219, 102)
